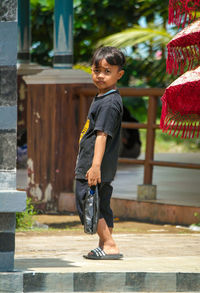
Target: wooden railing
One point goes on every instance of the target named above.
(153, 94)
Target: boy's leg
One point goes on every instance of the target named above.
(101, 244)
(105, 224)
(109, 246)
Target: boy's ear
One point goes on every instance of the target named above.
(120, 73)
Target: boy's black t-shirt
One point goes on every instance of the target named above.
(105, 114)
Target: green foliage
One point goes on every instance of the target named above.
(24, 220)
(165, 143)
(148, 63)
(42, 31)
(83, 67)
(137, 107)
(93, 20)
(151, 8)
(45, 4)
(157, 35)
(198, 219)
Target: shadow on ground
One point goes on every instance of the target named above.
(29, 263)
(64, 225)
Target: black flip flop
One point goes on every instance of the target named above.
(99, 254)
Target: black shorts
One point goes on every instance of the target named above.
(105, 193)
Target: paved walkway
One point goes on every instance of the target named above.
(152, 263)
(142, 253)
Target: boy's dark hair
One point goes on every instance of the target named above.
(112, 55)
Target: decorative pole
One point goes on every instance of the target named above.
(24, 35)
(63, 34)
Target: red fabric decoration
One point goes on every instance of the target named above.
(181, 10)
(184, 48)
(181, 106)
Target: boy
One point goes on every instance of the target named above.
(99, 145)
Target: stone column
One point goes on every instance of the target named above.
(63, 35)
(11, 201)
(24, 36)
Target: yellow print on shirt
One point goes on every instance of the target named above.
(85, 128)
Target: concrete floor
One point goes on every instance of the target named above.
(152, 263)
(142, 253)
(174, 185)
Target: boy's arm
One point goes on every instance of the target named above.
(94, 173)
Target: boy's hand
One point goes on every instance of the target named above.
(93, 175)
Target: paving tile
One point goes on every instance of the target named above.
(135, 281)
(114, 282)
(157, 282)
(188, 282)
(7, 222)
(59, 282)
(7, 150)
(48, 282)
(8, 118)
(8, 204)
(6, 264)
(8, 85)
(34, 282)
(8, 43)
(84, 282)
(8, 180)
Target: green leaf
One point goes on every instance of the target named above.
(137, 35)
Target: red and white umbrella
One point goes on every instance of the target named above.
(182, 10)
(184, 49)
(181, 106)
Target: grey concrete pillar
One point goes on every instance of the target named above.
(11, 201)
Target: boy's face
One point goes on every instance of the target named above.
(105, 76)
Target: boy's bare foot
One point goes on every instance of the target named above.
(110, 248)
